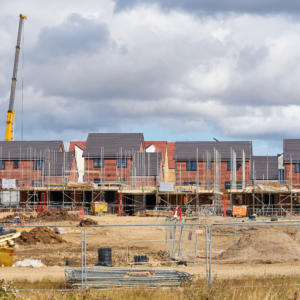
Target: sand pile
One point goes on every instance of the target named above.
(262, 247)
(87, 222)
(56, 215)
(39, 235)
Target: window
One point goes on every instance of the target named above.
(2, 164)
(281, 176)
(191, 165)
(239, 184)
(97, 180)
(228, 167)
(17, 183)
(38, 165)
(122, 162)
(297, 167)
(186, 183)
(238, 165)
(98, 163)
(16, 164)
(227, 185)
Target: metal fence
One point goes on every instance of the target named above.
(179, 238)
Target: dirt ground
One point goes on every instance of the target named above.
(246, 251)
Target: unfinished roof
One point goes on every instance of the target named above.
(265, 167)
(26, 150)
(291, 150)
(146, 164)
(79, 144)
(113, 144)
(160, 146)
(185, 151)
(58, 163)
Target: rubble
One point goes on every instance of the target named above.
(39, 235)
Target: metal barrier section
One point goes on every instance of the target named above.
(251, 242)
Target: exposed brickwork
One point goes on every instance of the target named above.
(110, 172)
(293, 180)
(182, 175)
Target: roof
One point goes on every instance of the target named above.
(185, 151)
(291, 150)
(265, 167)
(160, 147)
(80, 144)
(58, 163)
(171, 149)
(146, 164)
(113, 144)
(28, 149)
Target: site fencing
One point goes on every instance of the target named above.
(186, 241)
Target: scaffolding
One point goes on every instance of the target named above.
(130, 182)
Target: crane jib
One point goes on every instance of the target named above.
(9, 133)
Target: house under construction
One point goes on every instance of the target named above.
(133, 175)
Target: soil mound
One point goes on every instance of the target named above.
(39, 235)
(262, 247)
(87, 222)
(10, 218)
(56, 215)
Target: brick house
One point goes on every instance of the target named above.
(25, 161)
(108, 156)
(195, 165)
(291, 162)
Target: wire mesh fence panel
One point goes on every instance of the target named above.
(255, 244)
(40, 252)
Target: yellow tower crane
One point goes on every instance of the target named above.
(10, 120)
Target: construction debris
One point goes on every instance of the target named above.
(39, 235)
(56, 216)
(87, 222)
(27, 262)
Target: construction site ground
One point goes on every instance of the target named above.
(249, 251)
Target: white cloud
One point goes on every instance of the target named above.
(235, 73)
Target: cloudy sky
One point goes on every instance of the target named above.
(172, 69)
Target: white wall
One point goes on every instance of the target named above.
(79, 163)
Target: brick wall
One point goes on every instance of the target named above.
(110, 172)
(24, 174)
(182, 175)
(294, 180)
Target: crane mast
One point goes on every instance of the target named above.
(10, 119)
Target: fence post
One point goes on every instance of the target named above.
(81, 253)
(85, 269)
(210, 254)
(120, 205)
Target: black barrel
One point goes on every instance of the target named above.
(138, 259)
(104, 257)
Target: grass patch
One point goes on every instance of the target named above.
(244, 288)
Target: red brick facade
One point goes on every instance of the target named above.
(292, 178)
(183, 176)
(110, 172)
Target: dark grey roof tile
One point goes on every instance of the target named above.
(113, 144)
